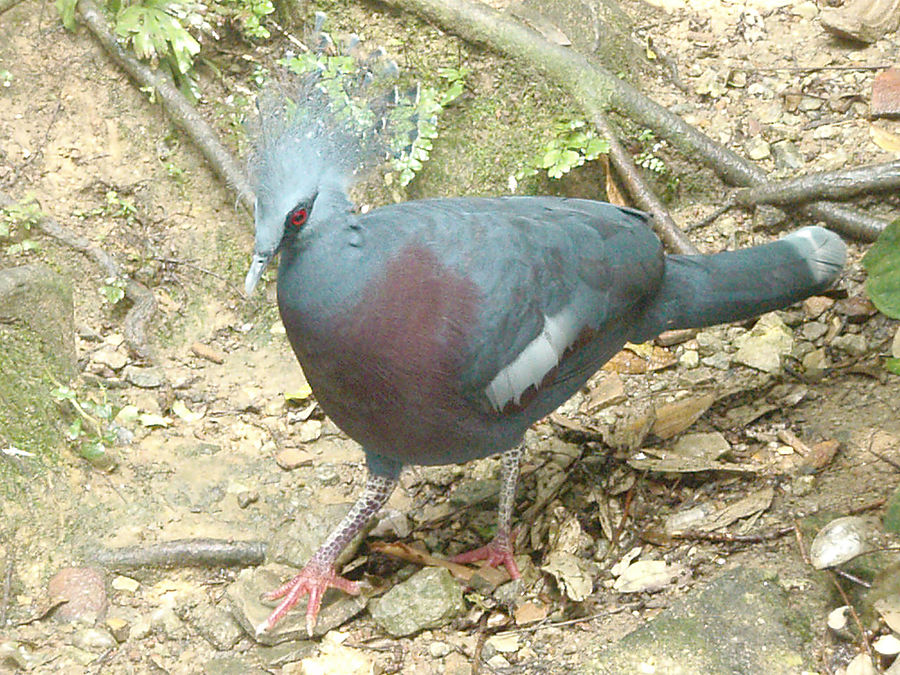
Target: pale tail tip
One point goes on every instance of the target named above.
(823, 250)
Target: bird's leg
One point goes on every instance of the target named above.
(500, 549)
(319, 574)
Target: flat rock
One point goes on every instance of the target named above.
(764, 345)
(742, 622)
(250, 610)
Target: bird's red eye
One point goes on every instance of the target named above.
(298, 217)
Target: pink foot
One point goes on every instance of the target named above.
(498, 552)
(310, 580)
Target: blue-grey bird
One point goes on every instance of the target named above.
(437, 331)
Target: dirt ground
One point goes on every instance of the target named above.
(76, 134)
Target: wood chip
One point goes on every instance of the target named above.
(207, 352)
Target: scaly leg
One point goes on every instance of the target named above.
(319, 574)
(500, 549)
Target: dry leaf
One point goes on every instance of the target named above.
(673, 418)
(646, 576)
(884, 139)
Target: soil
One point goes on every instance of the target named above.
(79, 137)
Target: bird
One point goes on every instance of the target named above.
(437, 331)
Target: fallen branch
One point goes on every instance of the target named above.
(177, 107)
(596, 90)
(184, 553)
(143, 302)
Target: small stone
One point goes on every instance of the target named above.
(758, 148)
(430, 598)
(853, 344)
(856, 309)
(291, 458)
(497, 663)
(764, 345)
(145, 378)
(813, 330)
(861, 664)
(247, 497)
(787, 156)
(310, 431)
(125, 584)
(815, 363)
(505, 643)
(806, 10)
(119, 627)
(809, 103)
(814, 306)
(110, 357)
(327, 474)
(690, 358)
(439, 650)
(94, 639)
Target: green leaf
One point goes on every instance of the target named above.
(66, 9)
(882, 262)
(892, 513)
(892, 365)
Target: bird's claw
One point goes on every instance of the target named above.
(498, 552)
(310, 580)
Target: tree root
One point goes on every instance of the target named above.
(596, 90)
(825, 185)
(143, 302)
(666, 228)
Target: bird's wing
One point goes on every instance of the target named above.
(557, 281)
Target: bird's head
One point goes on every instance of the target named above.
(303, 161)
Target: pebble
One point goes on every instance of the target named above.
(439, 650)
(758, 149)
(94, 639)
(690, 358)
(813, 330)
(110, 357)
(853, 344)
(815, 306)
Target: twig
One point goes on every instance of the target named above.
(643, 196)
(177, 107)
(479, 644)
(143, 302)
(729, 538)
(597, 89)
(185, 553)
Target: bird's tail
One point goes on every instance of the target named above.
(703, 290)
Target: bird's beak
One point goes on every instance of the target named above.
(257, 267)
